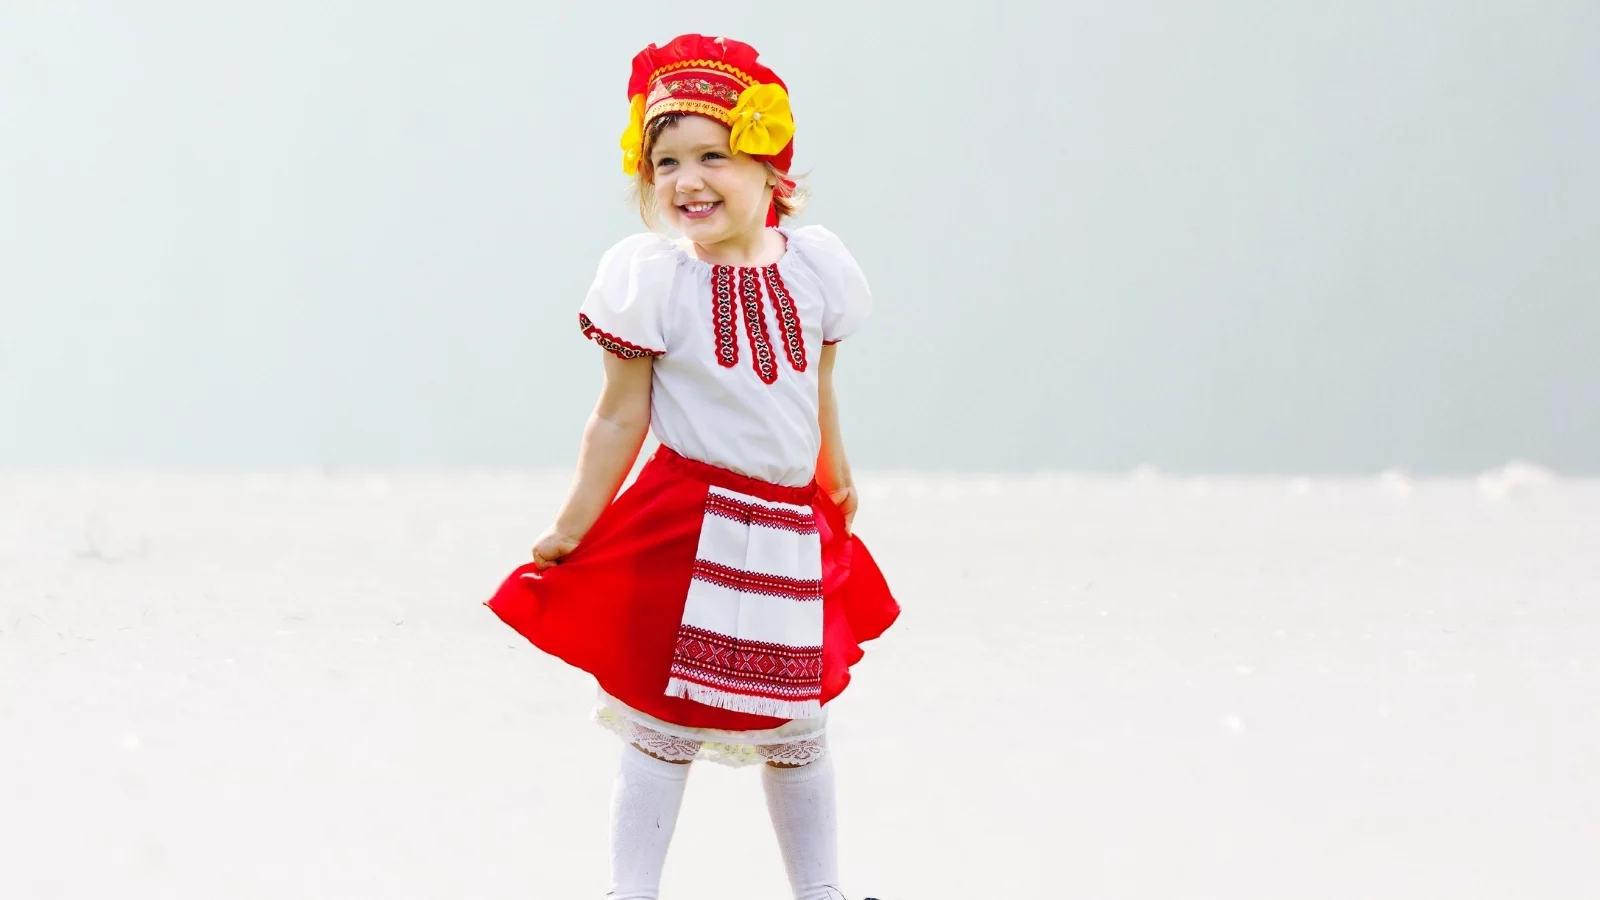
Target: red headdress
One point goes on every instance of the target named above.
(717, 78)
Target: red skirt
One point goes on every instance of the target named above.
(613, 606)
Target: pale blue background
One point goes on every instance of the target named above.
(1286, 236)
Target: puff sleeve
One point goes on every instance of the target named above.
(624, 309)
(847, 300)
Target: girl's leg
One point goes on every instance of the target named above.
(800, 799)
(645, 799)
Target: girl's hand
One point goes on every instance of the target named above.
(550, 547)
(845, 498)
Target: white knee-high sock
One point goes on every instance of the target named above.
(645, 800)
(801, 803)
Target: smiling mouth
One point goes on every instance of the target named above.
(699, 210)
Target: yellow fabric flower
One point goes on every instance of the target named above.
(762, 123)
(633, 139)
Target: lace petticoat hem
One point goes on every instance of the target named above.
(796, 743)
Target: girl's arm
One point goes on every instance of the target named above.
(833, 467)
(611, 441)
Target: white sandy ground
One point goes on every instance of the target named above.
(283, 686)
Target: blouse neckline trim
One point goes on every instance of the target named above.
(695, 262)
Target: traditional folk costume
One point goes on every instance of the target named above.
(718, 601)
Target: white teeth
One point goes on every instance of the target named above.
(698, 207)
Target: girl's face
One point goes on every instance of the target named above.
(705, 191)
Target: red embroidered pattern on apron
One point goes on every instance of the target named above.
(757, 582)
(786, 520)
(789, 672)
(750, 636)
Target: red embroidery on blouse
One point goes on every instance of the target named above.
(794, 341)
(723, 313)
(611, 342)
(755, 326)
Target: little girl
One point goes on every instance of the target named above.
(721, 600)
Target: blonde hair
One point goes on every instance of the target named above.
(788, 196)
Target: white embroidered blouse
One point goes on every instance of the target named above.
(735, 348)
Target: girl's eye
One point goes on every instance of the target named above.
(712, 155)
(666, 161)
